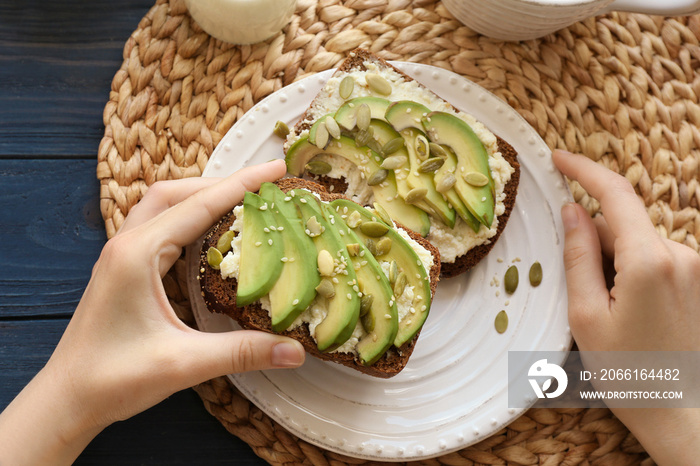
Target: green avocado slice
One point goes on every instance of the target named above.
(409, 263)
(294, 290)
(450, 167)
(345, 115)
(343, 309)
(446, 129)
(371, 281)
(261, 252)
(406, 114)
(416, 179)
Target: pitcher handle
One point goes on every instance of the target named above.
(655, 7)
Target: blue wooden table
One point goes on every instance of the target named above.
(57, 60)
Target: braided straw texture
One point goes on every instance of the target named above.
(622, 89)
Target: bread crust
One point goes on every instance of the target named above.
(356, 61)
(220, 295)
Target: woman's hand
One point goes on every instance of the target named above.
(125, 350)
(654, 304)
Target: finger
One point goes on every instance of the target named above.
(624, 213)
(585, 280)
(210, 355)
(607, 238)
(188, 220)
(161, 196)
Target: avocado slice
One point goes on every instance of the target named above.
(450, 167)
(345, 115)
(416, 179)
(446, 129)
(343, 309)
(385, 193)
(372, 282)
(294, 290)
(408, 262)
(383, 132)
(406, 114)
(261, 252)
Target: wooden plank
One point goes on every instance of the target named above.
(57, 61)
(52, 234)
(177, 431)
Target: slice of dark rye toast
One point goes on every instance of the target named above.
(220, 295)
(356, 62)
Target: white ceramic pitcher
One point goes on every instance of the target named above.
(529, 19)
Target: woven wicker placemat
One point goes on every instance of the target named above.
(622, 89)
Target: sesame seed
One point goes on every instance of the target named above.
(266, 230)
(280, 228)
(387, 316)
(258, 243)
(412, 310)
(303, 201)
(272, 227)
(356, 289)
(349, 296)
(269, 241)
(295, 302)
(284, 259)
(335, 280)
(263, 207)
(291, 259)
(287, 198)
(391, 302)
(423, 308)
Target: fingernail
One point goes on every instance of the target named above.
(569, 216)
(287, 354)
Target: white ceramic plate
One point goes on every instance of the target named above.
(453, 392)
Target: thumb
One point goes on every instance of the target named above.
(216, 354)
(583, 262)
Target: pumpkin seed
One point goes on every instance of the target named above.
(281, 129)
(378, 84)
(374, 229)
(363, 116)
(325, 263)
(476, 179)
(421, 146)
(436, 150)
(366, 304)
(318, 167)
(346, 87)
(536, 274)
(326, 289)
(353, 249)
(377, 177)
(393, 272)
(400, 284)
(332, 127)
(374, 145)
(354, 219)
(321, 137)
(214, 258)
(415, 195)
(510, 281)
(313, 228)
(371, 246)
(383, 246)
(368, 322)
(383, 214)
(501, 322)
(431, 165)
(394, 161)
(393, 145)
(445, 183)
(224, 243)
(362, 138)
